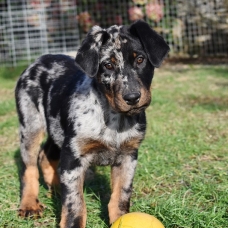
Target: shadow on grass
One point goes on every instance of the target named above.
(222, 84)
(18, 162)
(98, 186)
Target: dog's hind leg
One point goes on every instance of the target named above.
(32, 129)
(49, 160)
(30, 205)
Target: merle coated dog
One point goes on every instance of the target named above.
(93, 111)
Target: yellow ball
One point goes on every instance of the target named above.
(137, 220)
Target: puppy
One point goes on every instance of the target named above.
(93, 112)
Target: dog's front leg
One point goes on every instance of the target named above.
(122, 175)
(72, 179)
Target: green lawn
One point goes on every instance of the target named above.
(182, 173)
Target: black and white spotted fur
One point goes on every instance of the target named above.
(93, 111)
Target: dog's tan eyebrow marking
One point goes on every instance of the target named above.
(134, 54)
(113, 60)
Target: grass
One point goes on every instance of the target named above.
(182, 172)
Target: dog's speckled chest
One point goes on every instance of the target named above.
(97, 129)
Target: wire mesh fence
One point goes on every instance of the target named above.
(30, 28)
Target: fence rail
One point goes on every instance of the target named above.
(30, 28)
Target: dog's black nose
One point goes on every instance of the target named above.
(132, 98)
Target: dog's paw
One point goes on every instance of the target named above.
(31, 210)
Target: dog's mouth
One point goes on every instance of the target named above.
(135, 110)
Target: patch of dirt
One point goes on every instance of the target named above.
(6, 94)
(220, 103)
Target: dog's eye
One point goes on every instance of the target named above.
(139, 60)
(109, 66)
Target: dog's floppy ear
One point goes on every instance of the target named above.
(153, 44)
(87, 56)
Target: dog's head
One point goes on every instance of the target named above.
(122, 58)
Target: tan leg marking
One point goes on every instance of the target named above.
(63, 217)
(30, 205)
(113, 206)
(119, 178)
(49, 169)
